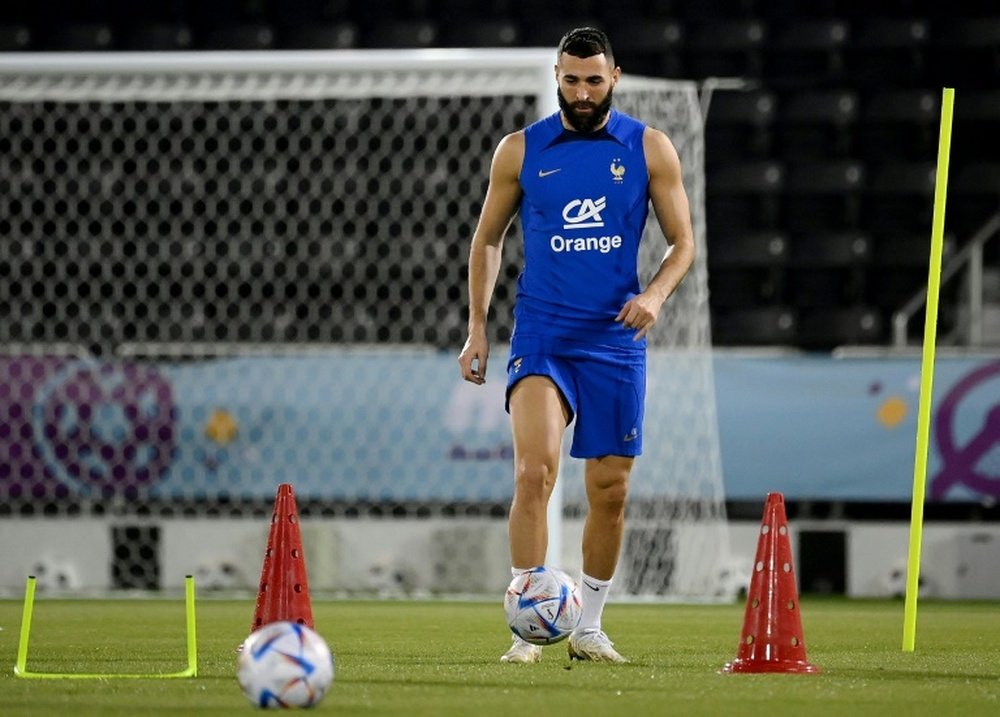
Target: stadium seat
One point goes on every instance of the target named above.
(251, 36)
(901, 244)
(823, 196)
(966, 53)
(783, 10)
(323, 36)
(744, 196)
(974, 135)
(748, 249)
(808, 53)
(757, 326)
(554, 11)
(741, 288)
(653, 47)
(204, 17)
(482, 33)
(905, 251)
(84, 37)
(899, 125)
(830, 269)
(900, 198)
(738, 126)
(15, 38)
(982, 106)
(726, 48)
(817, 125)
(901, 267)
(833, 249)
(888, 52)
(828, 328)
(399, 34)
(747, 268)
(634, 11)
(449, 10)
(159, 37)
(974, 196)
(546, 32)
(301, 13)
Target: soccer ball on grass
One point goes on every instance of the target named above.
(542, 605)
(284, 664)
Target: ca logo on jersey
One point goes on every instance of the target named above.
(584, 213)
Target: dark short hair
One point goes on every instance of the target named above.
(585, 42)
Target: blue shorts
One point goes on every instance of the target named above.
(604, 387)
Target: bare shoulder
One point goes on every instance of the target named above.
(509, 154)
(512, 142)
(661, 156)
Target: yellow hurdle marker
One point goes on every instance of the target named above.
(927, 372)
(21, 670)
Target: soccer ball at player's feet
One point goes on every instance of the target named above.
(284, 664)
(542, 605)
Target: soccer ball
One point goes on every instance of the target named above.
(542, 605)
(284, 664)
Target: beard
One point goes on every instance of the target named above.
(585, 122)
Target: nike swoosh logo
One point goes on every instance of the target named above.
(631, 437)
(595, 589)
(545, 173)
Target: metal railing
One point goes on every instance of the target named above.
(970, 257)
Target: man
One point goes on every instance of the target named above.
(583, 179)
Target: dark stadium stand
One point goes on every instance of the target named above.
(820, 175)
(806, 53)
(726, 48)
(244, 36)
(899, 125)
(888, 52)
(487, 32)
(741, 125)
(82, 37)
(325, 36)
(158, 36)
(15, 37)
(817, 124)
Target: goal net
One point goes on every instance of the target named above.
(224, 271)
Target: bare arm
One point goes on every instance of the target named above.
(670, 205)
(502, 198)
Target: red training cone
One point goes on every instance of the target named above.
(772, 639)
(284, 589)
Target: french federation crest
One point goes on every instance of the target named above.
(617, 170)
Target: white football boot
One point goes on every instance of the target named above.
(593, 645)
(522, 652)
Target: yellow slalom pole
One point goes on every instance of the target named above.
(927, 373)
(192, 636)
(20, 667)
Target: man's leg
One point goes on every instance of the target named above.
(606, 480)
(607, 486)
(538, 416)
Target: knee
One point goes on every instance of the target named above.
(609, 494)
(534, 478)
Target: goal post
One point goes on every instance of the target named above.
(220, 271)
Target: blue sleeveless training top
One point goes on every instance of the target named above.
(584, 206)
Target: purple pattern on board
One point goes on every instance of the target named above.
(959, 463)
(83, 428)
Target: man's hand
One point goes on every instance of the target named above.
(640, 313)
(474, 356)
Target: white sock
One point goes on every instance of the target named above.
(514, 572)
(593, 595)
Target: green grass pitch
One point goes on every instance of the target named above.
(417, 658)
